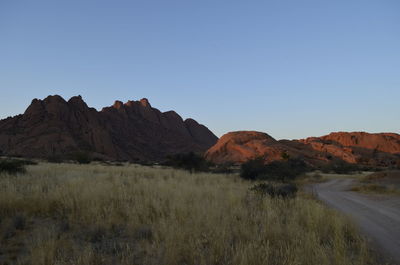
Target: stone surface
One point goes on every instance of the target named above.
(380, 149)
(133, 131)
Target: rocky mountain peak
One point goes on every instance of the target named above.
(118, 104)
(55, 127)
(145, 102)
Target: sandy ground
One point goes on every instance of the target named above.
(378, 216)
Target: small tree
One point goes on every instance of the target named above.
(282, 170)
(285, 169)
(82, 157)
(12, 166)
(253, 168)
(189, 161)
(285, 156)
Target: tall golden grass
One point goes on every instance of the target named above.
(95, 214)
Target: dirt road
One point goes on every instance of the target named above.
(378, 216)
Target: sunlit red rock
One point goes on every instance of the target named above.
(381, 149)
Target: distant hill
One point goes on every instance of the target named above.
(133, 131)
(376, 149)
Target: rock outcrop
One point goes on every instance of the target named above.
(133, 131)
(238, 147)
(381, 149)
(359, 147)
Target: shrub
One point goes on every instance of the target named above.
(286, 169)
(285, 156)
(340, 167)
(189, 161)
(282, 170)
(12, 166)
(374, 188)
(281, 190)
(82, 157)
(54, 159)
(223, 169)
(19, 222)
(252, 169)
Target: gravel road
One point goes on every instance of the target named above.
(378, 216)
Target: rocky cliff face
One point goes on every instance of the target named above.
(381, 142)
(238, 147)
(132, 131)
(382, 149)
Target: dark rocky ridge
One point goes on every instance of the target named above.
(133, 131)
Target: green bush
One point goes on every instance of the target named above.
(285, 170)
(222, 169)
(82, 157)
(340, 167)
(279, 190)
(189, 161)
(253, 169)
(55, 159)
(13, 166)
(282, 170)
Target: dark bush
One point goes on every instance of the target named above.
(189, 161)
(285, 156)
(253, 169)
(340, 167)
(82, 157)
(263, 188)
(19, 222)
(282, 170)
(26, 162)
(143, 233)
(223, 169)
(281, 190)
(55, 159)
(12, 166)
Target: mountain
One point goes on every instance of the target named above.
(133, 131)
(238, 147)
(380, 149)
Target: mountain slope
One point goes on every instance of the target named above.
(132, 131)
(382, 149)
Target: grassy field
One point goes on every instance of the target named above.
(385, 182)
(319, 177)
(95, 214)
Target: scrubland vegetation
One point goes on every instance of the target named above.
(96, 214)
(385, 182)
(282, 170)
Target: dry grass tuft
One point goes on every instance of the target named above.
(384, 182)
(94, 214)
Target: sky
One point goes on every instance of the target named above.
(290, 68)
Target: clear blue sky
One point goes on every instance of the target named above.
(289, 68)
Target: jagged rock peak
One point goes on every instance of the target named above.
(191, 121)
(132, 131)
(54, 99)
(77, 101)
(145, 102)
(75, 98)
(118, 104)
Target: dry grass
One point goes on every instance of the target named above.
(93, 214)
(385, 182)
(319, 177)
(375, 188)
